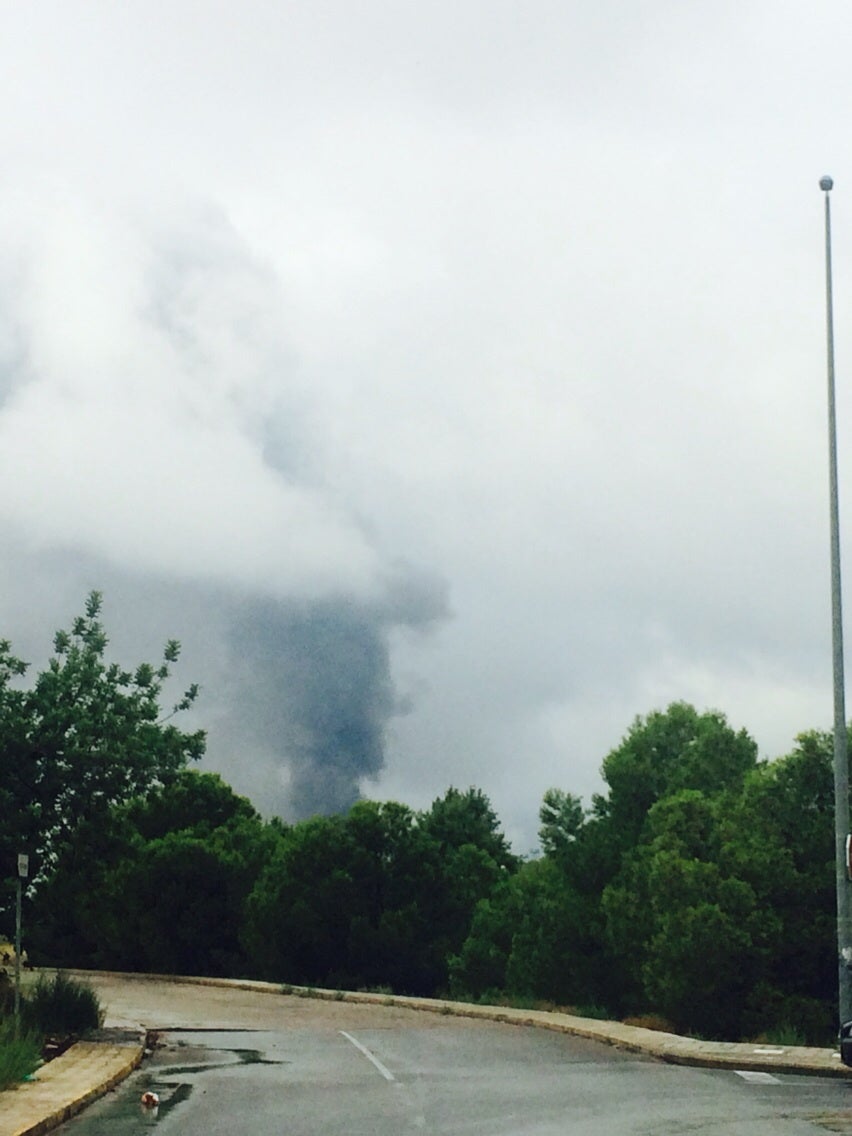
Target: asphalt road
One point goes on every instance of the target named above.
(305, 1068)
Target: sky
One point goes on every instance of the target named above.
(449, 378)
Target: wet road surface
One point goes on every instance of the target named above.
(361, 1076)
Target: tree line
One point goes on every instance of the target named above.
(698, 886)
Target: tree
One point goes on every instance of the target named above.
(479, 967)
(458, 818)
(473, 858)
(779, 837)
(156, 884)
(87, 735)
(664, 753)
(300, 910)
(562, 817)
(556, 951)
(378, 897)
(690, 936)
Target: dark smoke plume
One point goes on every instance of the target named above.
(315, 690)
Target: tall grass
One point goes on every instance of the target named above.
(783, 1035)
(19, 1056)
(61, 1006)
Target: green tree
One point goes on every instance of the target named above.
(556, 950)
(562, 817)
(86, 735)
(458, 819)
(688, 935)
(300, 910)
(156, 884)
(473, 857)
(664, 753)
(478, 968)
(380, 896)
(778, 835)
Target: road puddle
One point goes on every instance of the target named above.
(123, 1114)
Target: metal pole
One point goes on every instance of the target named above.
(841, 756)
(18, 958)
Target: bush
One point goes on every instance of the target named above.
(19, 1056)
(61, 1006)
(599, 1013)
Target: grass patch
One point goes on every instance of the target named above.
(61, 1006)
(786, 1035)
(18, 1056)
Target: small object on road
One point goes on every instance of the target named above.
(150, 1100)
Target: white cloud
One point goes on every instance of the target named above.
(138, 430)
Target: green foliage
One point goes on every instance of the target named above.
(160, 885)
(460, 819)
(19, 1056)
(598, 1013)
(481, 963)
(86, 735)
(555, 951)
(61, 1007)
(699, 888)
(562, 817)
(666, 752)
(536, 936)
(779, 837)
(379, 897)
(784, 1035)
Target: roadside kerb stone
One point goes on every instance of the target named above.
(65, 1085)
(667, 1047)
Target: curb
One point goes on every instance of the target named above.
(35, 1096)
(668, 1047)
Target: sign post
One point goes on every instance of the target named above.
(23, 872)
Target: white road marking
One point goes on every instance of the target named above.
(759, 1078)
(386, 1073)
(772, 1052)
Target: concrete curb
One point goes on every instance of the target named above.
(65, 1085)
(664, 1046)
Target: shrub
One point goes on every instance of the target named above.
(61, 1006)
(19, 1056)
(599, 1013)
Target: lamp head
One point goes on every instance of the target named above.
(826, 183)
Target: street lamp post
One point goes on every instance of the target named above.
(841, 758)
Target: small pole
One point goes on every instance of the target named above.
(23, 871)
